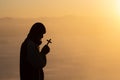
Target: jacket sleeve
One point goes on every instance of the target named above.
(37, 59)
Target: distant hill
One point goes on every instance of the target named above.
(66, 25)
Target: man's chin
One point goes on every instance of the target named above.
(39, 43)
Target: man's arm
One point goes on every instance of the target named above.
(35, 58)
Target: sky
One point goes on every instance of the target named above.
(82, 48)
(55, 8)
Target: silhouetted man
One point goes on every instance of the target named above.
(32, 60)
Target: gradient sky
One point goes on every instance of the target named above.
(82, 49)
(38, 8)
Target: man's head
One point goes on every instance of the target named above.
(36, 32)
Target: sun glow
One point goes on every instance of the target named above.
(118, 7)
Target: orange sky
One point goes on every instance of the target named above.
(38, 8)
(87, 48)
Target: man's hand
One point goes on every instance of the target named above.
(45, 49)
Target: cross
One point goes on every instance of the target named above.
(49, 41)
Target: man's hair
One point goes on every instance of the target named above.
(36, 30)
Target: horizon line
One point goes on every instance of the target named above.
(8, 17)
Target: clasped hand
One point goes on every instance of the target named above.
(45, 49)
